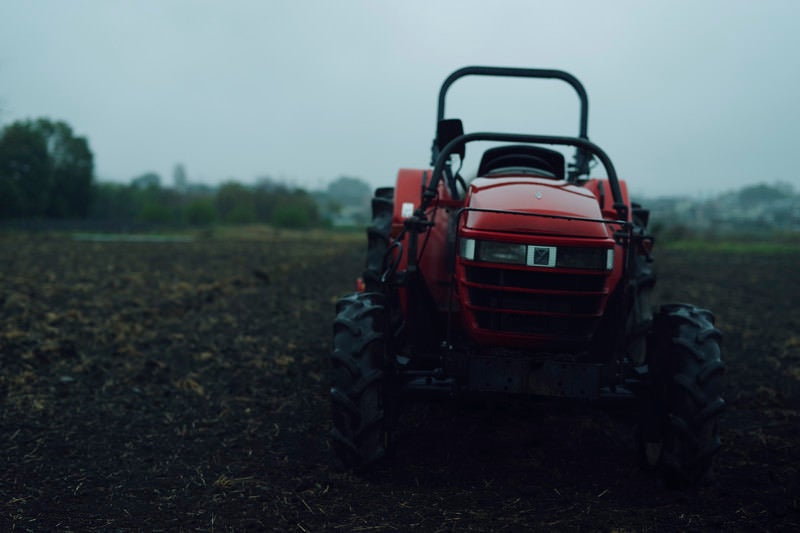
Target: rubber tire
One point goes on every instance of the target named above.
(685, 395)
(361, 379)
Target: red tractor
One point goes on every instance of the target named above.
(530, 279)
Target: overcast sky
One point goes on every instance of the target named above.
(693, 96)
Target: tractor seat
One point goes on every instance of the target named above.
(522, 158)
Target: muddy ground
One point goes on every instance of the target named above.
(182, 386)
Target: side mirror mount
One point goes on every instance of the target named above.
(446, 130)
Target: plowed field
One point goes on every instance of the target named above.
(182, 385)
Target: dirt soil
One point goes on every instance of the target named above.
(182, 386)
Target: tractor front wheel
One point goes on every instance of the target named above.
(679, 433)
(361, 381)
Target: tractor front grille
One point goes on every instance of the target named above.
(527, 279)
(535, 302)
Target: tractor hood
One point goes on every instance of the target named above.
(535, 196)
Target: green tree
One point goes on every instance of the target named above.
(45, 170)
(350, 191)
(200, 212)
(25, 171)
(267, 195)
(154, 212)
(113, 201)
(296, 210)
(763, 193)
(149, 181)
(235, 203)
(155, 204)
(72, 165)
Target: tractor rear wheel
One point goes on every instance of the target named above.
(361, 381)
(679, 434)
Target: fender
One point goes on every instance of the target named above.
(600, 188)
(433, 245)
(407, 195)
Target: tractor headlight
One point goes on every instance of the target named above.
(502, 252)
(585, 258)
(494, 252)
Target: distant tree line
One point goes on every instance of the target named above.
(47, 172)
(762, 210)
(146, 200)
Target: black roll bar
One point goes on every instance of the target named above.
(510, 72)
(581, 164)
(582, 144)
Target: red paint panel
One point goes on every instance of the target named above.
(536, 196)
